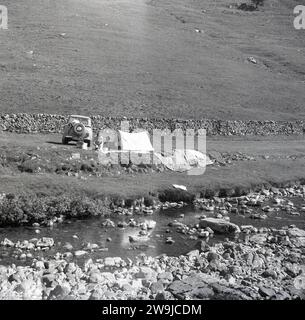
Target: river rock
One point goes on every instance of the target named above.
(194, 254)
(184, 288)
(92, 246)
(296, 232)
(48, 280)
(176, 224)
(259, 238)
(165, 295)
(80, 253)
(213, 256)
(67, 255)
(204, 234)
(249, 228)
(147, 274)
(203, 293)
(219, 225)
(8, 243)
(202, 246)
(60, 291)
(39, 265)
(140, 238)
(122, 224)
(269, 273)
(108, 224)
(166, 277)
(26, 288)
(157, 287)
(169, 240)
(70, 268)
(266, 292)
(132, 223)
(68, 246)
(151, 224)
(97, 294)
(112, 261)
(22, 256)
(179, 289)
(45, 242)
(3, 272)
(224, 292)
(95, 276)
(299, 241)
(108, 278)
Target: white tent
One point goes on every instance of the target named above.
(135, 141)
(136, 148)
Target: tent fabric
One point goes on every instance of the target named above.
(184, 160)
(136, 148)
(194, 157)
(135, 141)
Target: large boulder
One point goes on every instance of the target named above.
(204, 286)
(296, 232)
(219, 225)
(299, 241)
(112, 261)
(259, 238)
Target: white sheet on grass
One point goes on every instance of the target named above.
(184, 160)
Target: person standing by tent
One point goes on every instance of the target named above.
(99, 140)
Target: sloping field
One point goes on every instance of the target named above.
(160, 58)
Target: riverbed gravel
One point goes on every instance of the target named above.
(259, 263)
(266, 265)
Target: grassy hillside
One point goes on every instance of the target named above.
(145, 58)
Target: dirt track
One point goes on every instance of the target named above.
(145, 58)
(252, 145)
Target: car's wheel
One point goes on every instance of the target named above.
(79, 129)
(65, 140)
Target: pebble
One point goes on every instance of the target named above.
(169, 240)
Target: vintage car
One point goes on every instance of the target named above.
(78, 128)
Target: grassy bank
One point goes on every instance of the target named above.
(245, 175)
(26, 209)
(274, 161)
(49, 196)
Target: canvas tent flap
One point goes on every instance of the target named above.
(135, 141)
(194, 157)
(184, 160)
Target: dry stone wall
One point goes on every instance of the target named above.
(52, 123)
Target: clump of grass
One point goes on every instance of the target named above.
(18, 210)
(251, 6)
(176, 195)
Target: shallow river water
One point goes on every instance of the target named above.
(81, 232)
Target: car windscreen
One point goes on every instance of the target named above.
(84, 121)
